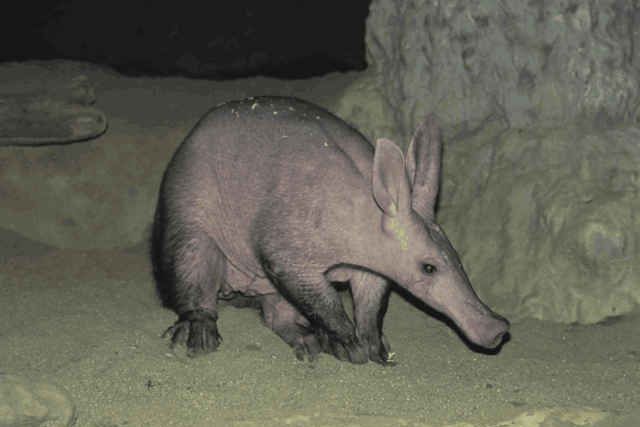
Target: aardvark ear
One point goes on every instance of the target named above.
(423, 166)
(390, 185)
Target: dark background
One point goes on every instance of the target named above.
(212, 39)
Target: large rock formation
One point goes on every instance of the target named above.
(543, 209)
(547, 221)
(523, 61)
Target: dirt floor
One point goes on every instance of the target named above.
(88, 321)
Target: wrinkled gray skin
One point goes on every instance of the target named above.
(273, 200)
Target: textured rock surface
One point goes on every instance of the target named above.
(363, 105)
(29, 404)
(524, 61)
(547, 221)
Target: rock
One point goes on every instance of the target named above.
(32, 404)
(527, 62)
(556, 417)
(52, 114)
(97, 194)
(362, 105)
(545, 221)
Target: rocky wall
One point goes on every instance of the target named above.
(539, 102)
(547, 221)
(526, 62)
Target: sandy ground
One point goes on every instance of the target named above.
(89, 322)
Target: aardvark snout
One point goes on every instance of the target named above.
(488, 331)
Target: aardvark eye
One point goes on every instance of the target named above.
(428, 268)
